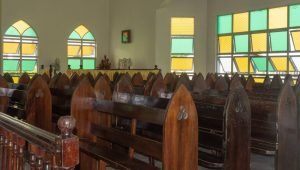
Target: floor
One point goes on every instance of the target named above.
(258, 162)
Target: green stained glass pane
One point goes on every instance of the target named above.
(241, 43)
(294, 15)
(88, 36)
(12, 31)
(260, 63)
(224, 24)
(10, 65)
(88, 64)
(29, 66)
(258, 20)
(75, 63)
(74, 35)
(182, 46)
(29, 33)
(279, 41)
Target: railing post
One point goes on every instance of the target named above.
(67, 154)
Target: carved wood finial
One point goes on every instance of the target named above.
(66, 124)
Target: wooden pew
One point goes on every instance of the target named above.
(31, 103)
(287, 156)
(61, 93)
(55, 152)
(175, 151)
(215, 109)
(8, 78)
(24, 79)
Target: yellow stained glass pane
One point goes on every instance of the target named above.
(278, 17)
(29, 49)
(81, 30)
(242, 64)
(225, 44)
(259, 42)
(296, 39)
(184, 64)
(10, 48)
(182, 26)
(73, 51)
(240, 22)
(259, 79)
(280, 64)
(16, 79)
(88, 51)
(21, 26)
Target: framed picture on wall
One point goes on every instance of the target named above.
(126, 36)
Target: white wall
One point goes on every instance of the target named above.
(220, 7)
(149, 21)
(54, 20)
(139, 17)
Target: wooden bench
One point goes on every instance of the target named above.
(32, 104)
(178, 150)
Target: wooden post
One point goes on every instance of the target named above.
(68, 148)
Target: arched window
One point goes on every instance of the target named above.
(20, 49)
(81, 49)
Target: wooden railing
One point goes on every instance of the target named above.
(24, 146)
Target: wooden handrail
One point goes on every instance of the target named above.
(64, 147)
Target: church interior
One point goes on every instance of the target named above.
(150, 84)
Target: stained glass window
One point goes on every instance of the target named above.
(183, 64)
(224, 65)
(225, 44)
(240, 22)
(258, 20)
(278, 17)
(296, 40)
(260, 64)
(294, 15)
(20, 49)
(225, 24)
(279, 41)
(241, 43)
(182, 45)
(182, 26)
(81, 44)
(243, 65)
(258, 42)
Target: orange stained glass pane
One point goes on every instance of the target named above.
(240, 22)
(278, 17)
(29, 49)
(242, 64)
(11, 48)
(184, 64)
(88, 51)
(21, 26)
(259, 42)
(259, 79)
(73, 51)
(81, 30)
(296, 39)
(280, 64)
(225, 44)
(182, 26)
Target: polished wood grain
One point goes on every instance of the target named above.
(288, 130)
(238, 128)
(39, 104)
